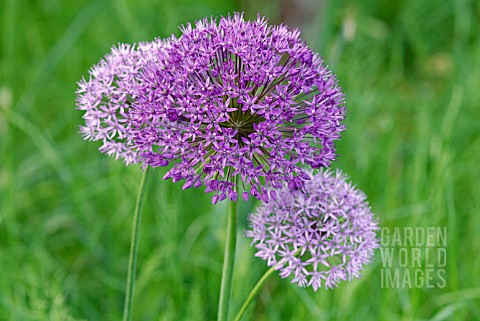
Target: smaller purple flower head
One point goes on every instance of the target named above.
(107, 95)
(321, 234)
(238, 102)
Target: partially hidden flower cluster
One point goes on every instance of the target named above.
(107, 96)
(320, 235)
(228, 103)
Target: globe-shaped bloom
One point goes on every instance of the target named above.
(107, 96)
(322, 234)
(238, 102)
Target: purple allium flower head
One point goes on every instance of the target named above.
(107, 95)
(322, 234)
(238, 101)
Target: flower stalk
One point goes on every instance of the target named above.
(132, 260)
(256, 289)
(254, 292)
(228, 263)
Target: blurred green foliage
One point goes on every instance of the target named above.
(410, 70)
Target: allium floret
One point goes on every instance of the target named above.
(321, 234)
(238, 102)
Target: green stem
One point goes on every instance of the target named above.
(228, 263)
(258, 287)
(132, 259)
(254, 293)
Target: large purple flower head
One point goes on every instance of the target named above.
(322, 234)
(238, 101)
(107, 96)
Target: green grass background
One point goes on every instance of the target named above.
(411, 72)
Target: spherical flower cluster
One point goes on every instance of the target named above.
(322, 234)
(108, 94)
(237, 102)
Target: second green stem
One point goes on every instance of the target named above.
(132, 260)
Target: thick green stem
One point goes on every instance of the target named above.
(132, 259)
(228, 263)
(254, 293)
